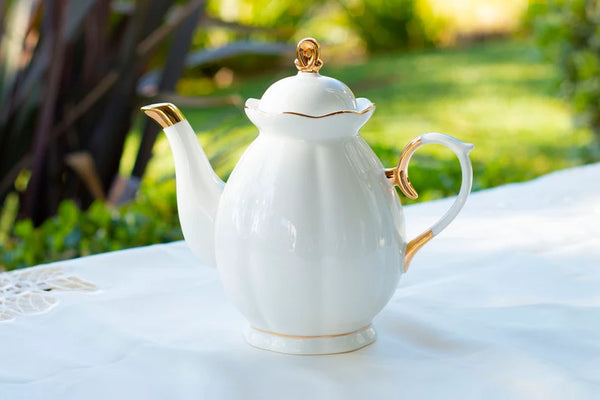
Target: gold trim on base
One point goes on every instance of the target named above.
(313, 337)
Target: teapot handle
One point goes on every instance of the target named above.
(399, 176)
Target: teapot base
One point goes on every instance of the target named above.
(310, 345)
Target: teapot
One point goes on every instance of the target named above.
(308, 234)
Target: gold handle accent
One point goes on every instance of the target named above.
(166, 114)
(399, 176)
(414, 245)
(308, 55)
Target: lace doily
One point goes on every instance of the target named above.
(32, 290)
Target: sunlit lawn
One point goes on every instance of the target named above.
(499, 96)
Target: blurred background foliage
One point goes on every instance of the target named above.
(83, 172)
(569, 33)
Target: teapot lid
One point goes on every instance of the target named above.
(309, 93)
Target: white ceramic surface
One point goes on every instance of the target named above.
(309, 235)
(198, 190)
(308, 93)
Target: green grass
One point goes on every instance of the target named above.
(499, 96)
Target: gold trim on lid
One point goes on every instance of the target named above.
(166, 114)
(367, 109)
(308, 55)
(332, 113)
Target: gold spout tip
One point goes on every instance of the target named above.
(157, 105)
(166, 114)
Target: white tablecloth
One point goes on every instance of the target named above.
(504, 304)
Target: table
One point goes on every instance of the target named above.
(504, 304)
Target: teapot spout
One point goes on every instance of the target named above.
(198, 186)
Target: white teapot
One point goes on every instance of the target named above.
(308, 233)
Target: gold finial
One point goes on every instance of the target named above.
(307, 53)
(166, 114)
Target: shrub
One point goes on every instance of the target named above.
(73, 232)
(569, 33)
(69, 77)
(386, 25)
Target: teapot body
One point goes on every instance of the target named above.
(309, 235)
